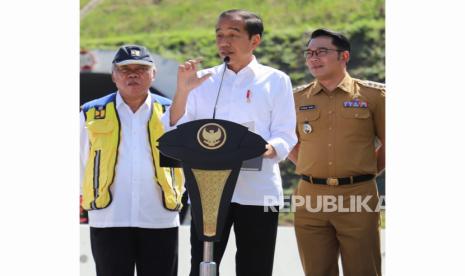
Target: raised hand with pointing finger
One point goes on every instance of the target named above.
(187, 76)
(187, 81)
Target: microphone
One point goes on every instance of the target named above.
(226, 60)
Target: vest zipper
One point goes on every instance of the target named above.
(96, 176)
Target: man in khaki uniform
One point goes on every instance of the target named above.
(339, 118)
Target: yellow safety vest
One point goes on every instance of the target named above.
(104, 131)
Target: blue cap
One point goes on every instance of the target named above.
(133, 54)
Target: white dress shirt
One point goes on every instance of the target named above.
(260, 96)
(137, 198)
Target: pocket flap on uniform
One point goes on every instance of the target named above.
(100, 126)
(356, 113)
(308, 116)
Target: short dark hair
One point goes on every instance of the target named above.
(338, 39)
(253, 22)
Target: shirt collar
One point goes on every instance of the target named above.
(346, 85)
(315, 89)
(253, 66)
(120, 102)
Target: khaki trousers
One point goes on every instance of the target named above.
(348, 230)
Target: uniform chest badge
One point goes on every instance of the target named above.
(100, 112)
(307, 128)
(356, 104)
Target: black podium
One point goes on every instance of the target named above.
(211, 153)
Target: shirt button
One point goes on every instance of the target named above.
(330, 128)
(329, 145)
(356, 115)
(330, 112)
(330, 163)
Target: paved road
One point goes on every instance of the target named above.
(286, 256)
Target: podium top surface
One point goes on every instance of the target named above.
(211, 143)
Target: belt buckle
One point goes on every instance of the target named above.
(332, 181)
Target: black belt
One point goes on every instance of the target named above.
(332, 181)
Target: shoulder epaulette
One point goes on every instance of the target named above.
(372, 84)
(301, 88)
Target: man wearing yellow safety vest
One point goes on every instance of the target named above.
(133, 203)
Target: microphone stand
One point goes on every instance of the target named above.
(208, 265)
(225, 61)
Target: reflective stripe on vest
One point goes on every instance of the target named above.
(169, 179)
(104, 131)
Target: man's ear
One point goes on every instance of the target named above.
(256, 40)
(154, 74)
(346, 56)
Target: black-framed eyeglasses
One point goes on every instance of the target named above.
(320, 52)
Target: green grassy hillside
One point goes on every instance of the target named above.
(126, 17)
(185, 29)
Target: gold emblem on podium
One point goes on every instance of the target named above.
(211, 185)
(211, 136)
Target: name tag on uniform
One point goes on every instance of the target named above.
(355, 104)
(307, 107)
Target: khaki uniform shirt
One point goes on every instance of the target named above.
(337, 130)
